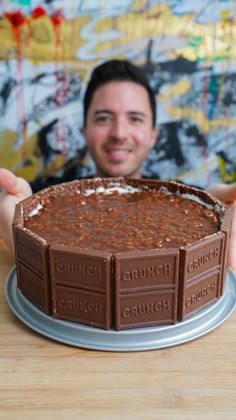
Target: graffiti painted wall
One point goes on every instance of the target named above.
(188, 49)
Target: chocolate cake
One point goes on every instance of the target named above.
(121, 253)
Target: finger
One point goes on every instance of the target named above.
(225, 193)
(8, 181)
(13, 184)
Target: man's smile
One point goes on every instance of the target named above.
(117, 153)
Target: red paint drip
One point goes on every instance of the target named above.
(203, 147)
(61, 82)
(38, 12)
(56, 21)
(16, 20)
(229, 38)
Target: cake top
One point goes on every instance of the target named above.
(122, 215)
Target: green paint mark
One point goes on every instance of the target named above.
(222, 58)
(21, 2)
(195, 41)
(225, 177)
(202, 59)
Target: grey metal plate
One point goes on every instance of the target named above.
(138, 339)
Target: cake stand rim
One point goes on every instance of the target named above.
(137, 339)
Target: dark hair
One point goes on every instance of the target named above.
(117, 70)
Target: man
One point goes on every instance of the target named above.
(119, 130)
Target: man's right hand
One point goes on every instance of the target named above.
(15, 189)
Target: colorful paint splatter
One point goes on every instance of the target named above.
(48, 49)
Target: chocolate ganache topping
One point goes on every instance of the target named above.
(123, 218)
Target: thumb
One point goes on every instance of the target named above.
(14, 185)
(224, 192)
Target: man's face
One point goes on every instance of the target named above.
(118, 131)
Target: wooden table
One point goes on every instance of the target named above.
(43, 379)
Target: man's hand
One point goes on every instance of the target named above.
(227, 194)
(15, 189)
